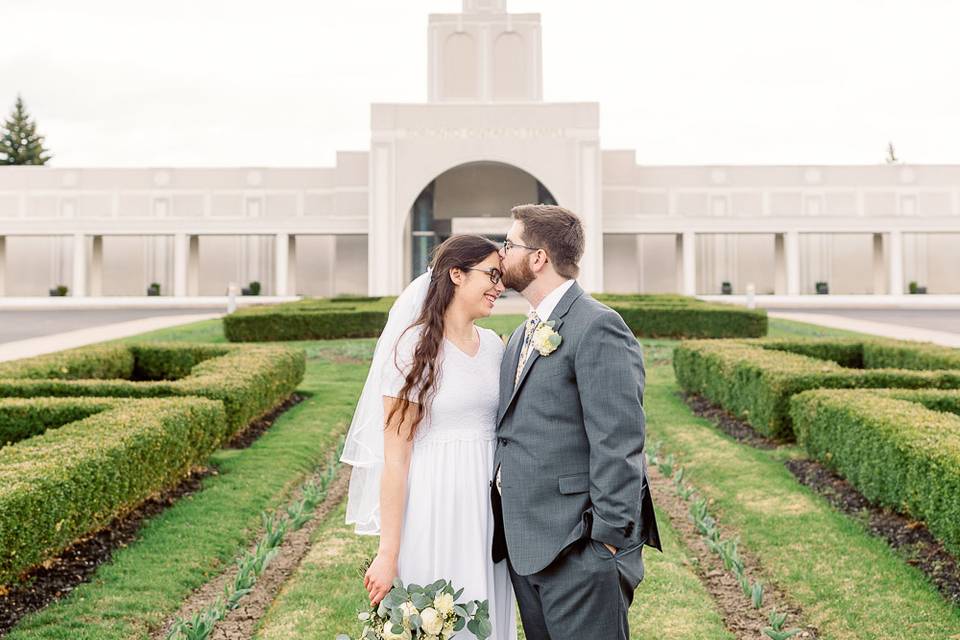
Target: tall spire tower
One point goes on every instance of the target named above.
(485, 54)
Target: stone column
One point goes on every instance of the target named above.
(284, 269)
(879, 272)
(895, 283)
(791, 252)
(193, 266)
(779, 265)
(687, 245)
(180, 250)
(96, 267)
(3, 265)
(79, 289)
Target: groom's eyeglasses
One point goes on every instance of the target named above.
(509, 244)
(494, 273)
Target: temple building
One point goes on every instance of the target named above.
(483, 141)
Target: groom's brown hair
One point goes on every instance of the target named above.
(557, 231)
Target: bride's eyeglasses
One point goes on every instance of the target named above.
(494, 273)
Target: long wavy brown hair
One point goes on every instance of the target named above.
(459, 251)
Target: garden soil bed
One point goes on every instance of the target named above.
(739, 615)
(241, 623)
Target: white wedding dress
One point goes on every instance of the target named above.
(448, 521)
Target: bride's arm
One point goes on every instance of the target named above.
(393, 492)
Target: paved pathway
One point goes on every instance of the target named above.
(89, 335)
(885, 329)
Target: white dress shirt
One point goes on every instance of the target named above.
(549, 303)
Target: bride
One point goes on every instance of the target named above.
(422, 439)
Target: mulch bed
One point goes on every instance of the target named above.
(60, 575)
(241, 623)
(910, 537)
(727, 422)
(737, 610)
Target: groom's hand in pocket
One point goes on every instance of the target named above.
(378, 580)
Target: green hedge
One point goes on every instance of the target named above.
(755, 379)
(22, 418)
(250, 380)
(892, 446)
(690, 320)
(309, 319)
(66, 483)
(654, 316)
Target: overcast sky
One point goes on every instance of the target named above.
(287, 83)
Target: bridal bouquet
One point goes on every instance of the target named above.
(429, 612)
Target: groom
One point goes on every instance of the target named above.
(570, 495)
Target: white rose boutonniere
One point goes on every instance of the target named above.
(545, 339)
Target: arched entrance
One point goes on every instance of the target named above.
(475, 197)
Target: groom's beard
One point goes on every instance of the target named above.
(519, 278)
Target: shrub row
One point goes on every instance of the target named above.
(250, 380)
(900, 448)
(70, 481)
(755, 379)
(654, 316)
(691, 320)
(309, 319)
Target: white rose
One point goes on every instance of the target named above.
(443, 603)
(546, 340)
(388, 633)
(431, 621)
(408, 610)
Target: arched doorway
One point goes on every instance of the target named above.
(475, 197)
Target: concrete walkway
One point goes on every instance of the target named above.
(91, 335)
(884, 329)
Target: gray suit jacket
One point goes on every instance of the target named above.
(570, 439)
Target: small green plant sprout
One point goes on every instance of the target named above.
(199, 627)
(275, 528)
(699, 510)
(666, 465)
(745, 586)
(685, 492)
(653, 456)
(777, 620)
(773, 634)
(756, 595)
(299, 514)
(678, 476)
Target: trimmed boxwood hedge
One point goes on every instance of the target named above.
(71, 481)
(673, 316)
(900, 448)
(755, 379)
(309, 319)
(653, 316)
(249, 379)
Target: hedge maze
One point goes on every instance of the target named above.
(86, 435)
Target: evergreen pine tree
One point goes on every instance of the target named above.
(19, 141)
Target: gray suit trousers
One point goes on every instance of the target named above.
(584, 594)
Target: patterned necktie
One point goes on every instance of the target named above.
(533, 320)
